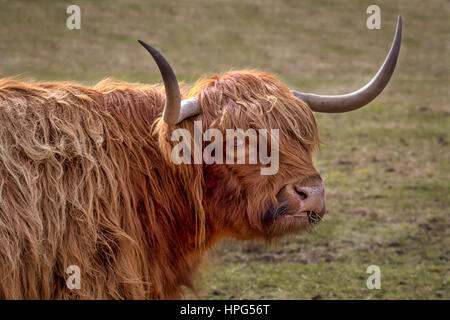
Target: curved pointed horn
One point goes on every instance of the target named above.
(361, 97)
(175, 110)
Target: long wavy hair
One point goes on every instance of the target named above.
(86, 180)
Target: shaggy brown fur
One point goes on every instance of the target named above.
(86, 180)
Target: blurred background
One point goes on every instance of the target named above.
(386, 167)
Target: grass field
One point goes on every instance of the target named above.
(386, 167)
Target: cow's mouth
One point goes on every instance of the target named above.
(284, 221)
(287, 217)
(311, 216)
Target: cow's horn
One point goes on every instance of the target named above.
(175, 110)
(361, 97)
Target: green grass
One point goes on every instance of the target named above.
(293, 280)
(386, 167)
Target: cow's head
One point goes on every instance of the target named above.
(237, 199)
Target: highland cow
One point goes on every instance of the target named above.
(86, 179)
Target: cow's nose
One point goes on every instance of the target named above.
(312, 198)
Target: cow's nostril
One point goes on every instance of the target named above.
(311, 197)
(301, 194)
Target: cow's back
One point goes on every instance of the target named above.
(64, 200)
